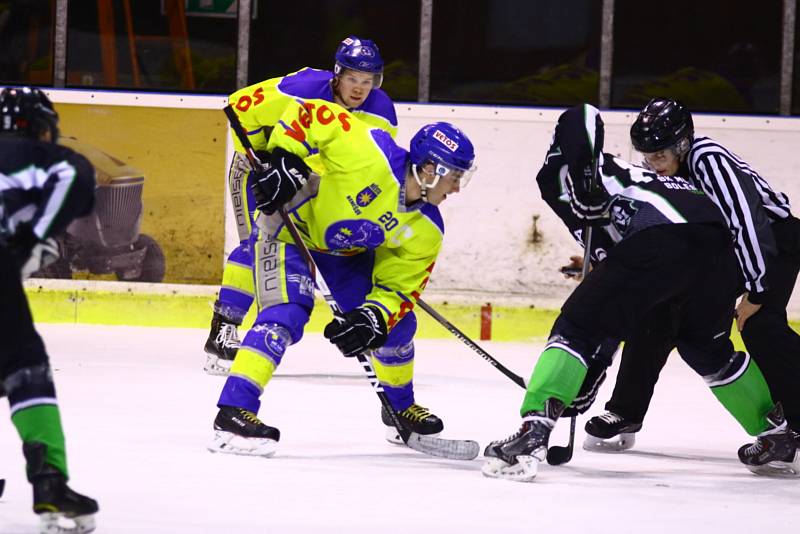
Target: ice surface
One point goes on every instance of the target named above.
(138, 409)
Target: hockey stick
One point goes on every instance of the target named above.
(471, 344)
(444, 448)
(557, 455)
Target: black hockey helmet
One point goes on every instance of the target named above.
(28, 111)
(662, 123)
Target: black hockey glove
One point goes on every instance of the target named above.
(588, 199)
(280, 181)
(29, 253)
(363, 328)
(595, 377)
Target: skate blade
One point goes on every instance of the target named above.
(57, 523)
(619, 443)
(392, 436)
(779, 469)
(525, 470)
(216, 366)
(229, 443)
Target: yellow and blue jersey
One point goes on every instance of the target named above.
(359, 203)
(260, 106)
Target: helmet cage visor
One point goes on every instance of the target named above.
(442, 170)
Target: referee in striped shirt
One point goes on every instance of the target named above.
(766, 244)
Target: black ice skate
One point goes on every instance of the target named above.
(221, 346)
(518, 456)
(775, 451)
(239, 431)
(415, 418)
(610, 433)
(60, 509)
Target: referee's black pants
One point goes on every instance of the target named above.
(769, 340)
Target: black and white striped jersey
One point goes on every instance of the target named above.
(746, 201)
(42, 184)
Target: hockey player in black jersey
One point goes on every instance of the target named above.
(43, 187)
(667, 243)
(766, 238)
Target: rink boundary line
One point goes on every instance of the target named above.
(514, 318)
(191, 306)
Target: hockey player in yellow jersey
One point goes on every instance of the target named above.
(354, 84)
(374, 229)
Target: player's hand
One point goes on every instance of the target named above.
(274, 186)
(43, 254)
(574, 269)
(744, 311)
(362, 328)
(29, 253)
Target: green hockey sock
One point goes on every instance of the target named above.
(42, 423)
(747, 399)
(558, 374)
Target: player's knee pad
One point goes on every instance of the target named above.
(395, 354)
(585, 346)
(268, 339)
(719, 374)
(29, 386)
(394, 365)
(260, 353)
(291, 316)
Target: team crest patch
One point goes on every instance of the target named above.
(367, 195)
(350, 233)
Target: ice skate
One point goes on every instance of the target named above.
(60, 509)
(775, 451)
(221, 346)
(415, 418)
(518, 456)
(239, 431)
(610, 432)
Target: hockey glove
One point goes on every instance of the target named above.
(29, 253)
(588, 392)
(279, 182)
(588, 199)
(362, 328)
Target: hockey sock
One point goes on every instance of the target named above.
(42, 423)
(558, 374)
(259, 355)
(394, 367)
(746, 397)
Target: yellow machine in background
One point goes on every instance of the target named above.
(108, 240)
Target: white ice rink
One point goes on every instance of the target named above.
(138, 409)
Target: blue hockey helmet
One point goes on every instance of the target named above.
(27, 111)
(445, 146)
(360, 55)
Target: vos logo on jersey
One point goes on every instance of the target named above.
(451, 145)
